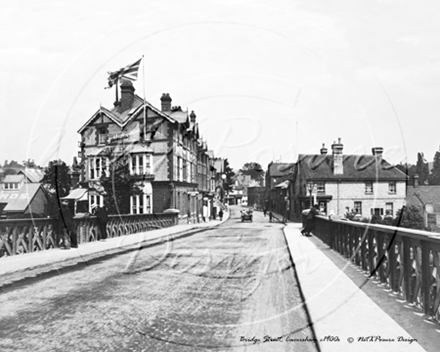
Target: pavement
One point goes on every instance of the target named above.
(20, 267)
(340, 309)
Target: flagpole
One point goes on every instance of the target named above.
(143, 86)
(116, 86)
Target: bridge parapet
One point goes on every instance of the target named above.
(407, 261)
(30, 235)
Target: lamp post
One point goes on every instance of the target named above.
(310, 188)
(223, 186)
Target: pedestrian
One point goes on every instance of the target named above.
(270, 216)
(310, 222)
(264, 211)
(102, 219)
(66, 226)
(220, 214)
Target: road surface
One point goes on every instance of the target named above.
(230, 288)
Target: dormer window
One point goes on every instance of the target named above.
(11, 185)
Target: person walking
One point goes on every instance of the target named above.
(66, 226)
(102, 219)
(310, 220)
(220, 214)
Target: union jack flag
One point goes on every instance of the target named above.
(130, 72)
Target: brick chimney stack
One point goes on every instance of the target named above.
(377, 151)
(193, 117)
(416, 181)
(127, 95)
(338, 167)
(166, 102)
(323, 150)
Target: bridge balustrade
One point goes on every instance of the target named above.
(30, 235)
(405, 260)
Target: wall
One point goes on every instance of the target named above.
(349, 192)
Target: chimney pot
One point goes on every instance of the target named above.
(416, 181)
(166, 102)
(377, 151)
(323, 149)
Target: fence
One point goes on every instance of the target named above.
(407, 261)
(31, 235)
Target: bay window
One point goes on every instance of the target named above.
(97, 167)
(140, 164)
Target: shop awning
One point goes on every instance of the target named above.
(77, 194)
(283, 185)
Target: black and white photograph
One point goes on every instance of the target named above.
(220, 175)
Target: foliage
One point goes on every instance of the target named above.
(30, 163)
(410, 217)
(118, 186)
(434, 177)
(229, 181)
(408, 169)
(422, 169)
(254, 170)
(53, 205)
(57, 178)
(12, 163)
(350, 215)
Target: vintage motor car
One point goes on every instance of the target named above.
(246, 215)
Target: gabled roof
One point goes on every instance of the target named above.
(122, 118)
(422, 195)
(180, 116)
(33, 175)
(355, 167)
(19, 200)
(13, 178)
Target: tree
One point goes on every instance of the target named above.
(229, 181)
(434, 177)
(118, 185)
(57, 178)
(29, 163)
(254, 170)
(410, 217)
(422, 169)
(13, 163)
(408, 169)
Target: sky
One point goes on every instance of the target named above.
(268, 80)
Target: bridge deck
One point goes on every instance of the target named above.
(343, 302)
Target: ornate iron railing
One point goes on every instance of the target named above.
(31, 235)
(407, 261)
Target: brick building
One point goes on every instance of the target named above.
(279, 187)
(163, 148)
(366, 184)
